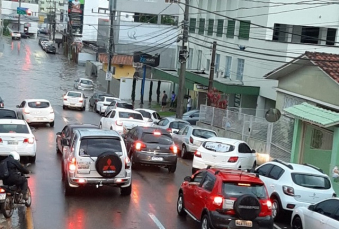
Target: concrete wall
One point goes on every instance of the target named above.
(114, 86)
(124, 71)
(84, 57)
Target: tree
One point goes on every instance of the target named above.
(150, 92)
(214, 99)
(6, 30)
(133, 89)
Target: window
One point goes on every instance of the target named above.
(190, 59)
(330, 38)
(199, 60)
(145, 114)
(210, 27)
(130, 115)
(208, 64)
(201, 30)
(234, 190)
(208, 182)
(112, 114)
(311, 181)
(321, 139)
(264, 170)
(192, 25)
(74, 94)
(177, 125)
(14, 128)
(276, 172)
(217, 63)
(310, 35)
(230, 29)
(336, 215)
(125, 105)
(326, 207)
(244, 30)
(185, 131)
(198, 177)
(243, 148)
(87, 82)
(38, 104)
(279, 32)
(163, 122)
(220, 27)
(240, 69)
(95, 146)
(228, 66)
(201, 133)
(157, 139)
(156, 115)
(181, 131)
(7, 114)
(218, 147)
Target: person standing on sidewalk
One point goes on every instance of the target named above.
(189, 103)
(164, 101)
(173, 97)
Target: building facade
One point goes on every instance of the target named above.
(59, 7)
(253, 38)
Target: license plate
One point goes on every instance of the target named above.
(72, 104)
(157, 159)
(2, 196)
(83, 166)
(40, 118)
(12, 143)
(243, 223)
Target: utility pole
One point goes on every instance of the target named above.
(111, 50)
(18, 17)
(183, 56)
(54, 19)
(210, 80)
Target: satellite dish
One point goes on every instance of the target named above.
(272, 115)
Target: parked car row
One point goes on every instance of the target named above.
(47, 45)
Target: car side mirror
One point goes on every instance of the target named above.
(59, 133)
(253, 151)
(64, 142)
(188, 179)
(311, 207)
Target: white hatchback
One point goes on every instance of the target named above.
(74, 99)
(16, 135)
(224, 152)
(36, 111)
(103, 103)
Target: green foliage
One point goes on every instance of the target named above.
(148, 18)
(6, 30)
(168, 20)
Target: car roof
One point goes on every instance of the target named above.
(231, 175)
(171, 119)
(119, 109)
(225, 140)
(79, 125)
(12, 121)
(297, 168)
(74, 92)
(200, 128)
(36, 100)
(97, 132)
(148, 110)
(110, 97)
(85, 79)
(152, 129)
(122, 101)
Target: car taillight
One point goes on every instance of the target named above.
(118, 123)
(169, 130)
(197, 154)
(65, 99)
(233, 159)
(72, 164)
(288, 190)
(174, 149)
(2, 190)
(29, 140)
(139, 145)
(80, 100)
(218, 201)
(26, 111)
(127, 163)
(0, 140)
(191, 140)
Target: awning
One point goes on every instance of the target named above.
(313, 114)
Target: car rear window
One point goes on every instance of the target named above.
(157, 139)
(178, 125)
(93, 147)
(234, 190)
(130, 115)
(311, 181)
(218, 147)
(38, 104)
(86, 82)
(14, 128)
(203, 133)
(125, 105)
(7, 114)
(74, 94)
(145, 114)
(109, 100)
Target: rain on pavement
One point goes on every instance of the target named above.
(28, 72)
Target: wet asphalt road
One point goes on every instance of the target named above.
(28, 72)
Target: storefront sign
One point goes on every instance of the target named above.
(200, 88)
(146, 59)
(237, 100)
(76, 14)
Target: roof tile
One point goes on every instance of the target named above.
(117, 59)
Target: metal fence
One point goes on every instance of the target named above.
(270, 140)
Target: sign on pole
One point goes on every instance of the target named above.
(109, 76)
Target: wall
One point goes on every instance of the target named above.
(83, 57)
(126, 86)
(150, 7)
(125, 71)
(114, 85)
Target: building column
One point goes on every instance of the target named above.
(335, 159)
(159, 19)
(297, 141)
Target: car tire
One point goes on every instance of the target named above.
(32, 159)
(64, 107)
(251, 207)
(83, 109)
(126, 191)
(180, 205)
(134, 164)
(108, 164)
(51, 124)
(183, 152)
(172, 168)
(296, 223)
(205, 222)
(68, 190)
(276, 206)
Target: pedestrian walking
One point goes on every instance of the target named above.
(173, 97)
(189, 103)
(164, 101)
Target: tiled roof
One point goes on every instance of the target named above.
(314, 115)
(117, 59)
(328, 62)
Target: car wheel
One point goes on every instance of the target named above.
(134, 164)
(205, 222)
(64, 107)
(180, 205)
(183, 152)
(68, 190)
(172, 168)
(51, 124)
(32, 159)
(83, 108)
(126, 191)
(277, 211)
(296, 223)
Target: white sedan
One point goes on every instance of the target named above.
(36, 111)
(16, 135)
(103, 103)
(149, 114)
(224, 152)
(74, 99)
(323, 215)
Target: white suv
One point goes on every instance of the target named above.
(96, 158)
(293, 185)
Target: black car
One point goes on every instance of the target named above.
(50, 49)
(2, 103)
(25, 35)
(96, 97)
(151, 146)
(44, 31)
(67, 133)
(42, 39)
(8, 114)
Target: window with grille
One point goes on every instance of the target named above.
(230, 29)
(193, 23)
(228, 66)
(244, 30)
(201, 26)
(210, 27)
(240, 69)
(321, 139)
(220, 27)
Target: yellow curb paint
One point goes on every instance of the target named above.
(29, 218)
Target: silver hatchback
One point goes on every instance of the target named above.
(84, 84)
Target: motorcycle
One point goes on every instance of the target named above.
(10, 196)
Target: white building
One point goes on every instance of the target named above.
(1, 30)
(61, 9)
(255, 37)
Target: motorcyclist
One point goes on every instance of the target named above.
(15, 173)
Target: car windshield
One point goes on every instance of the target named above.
(234, 190)
(157, 139)
(203, 133)
(38, 104)
(145, 114)
(14, 128)
(93, 147)
(109, 100)
(74, 94)
(88, 82)
(7, 114)
(130, 115)
(125, 105)
(311, 181)
(218, 147)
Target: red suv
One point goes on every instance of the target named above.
(223, 198)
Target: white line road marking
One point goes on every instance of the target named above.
(156, 221)
(277, 226)
(65, 119)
